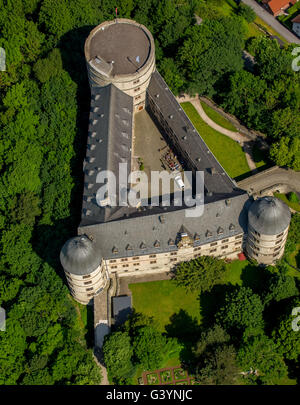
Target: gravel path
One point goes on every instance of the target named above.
(236, 136)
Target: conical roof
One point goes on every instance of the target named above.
(269, 216)
(79, 256)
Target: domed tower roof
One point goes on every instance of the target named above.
(269, 216)
(79, 256)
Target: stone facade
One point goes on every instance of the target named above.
(84, 287)
(134, 84)
(165, 262)
(265, 249)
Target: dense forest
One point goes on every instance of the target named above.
(44, 111)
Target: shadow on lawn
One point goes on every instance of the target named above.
(187, 330)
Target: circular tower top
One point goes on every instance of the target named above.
(121, 46)
(79, 256)
(269, 216)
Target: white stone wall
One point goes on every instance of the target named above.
(84, 288)
(162, 262)
(266, 249)
(135, 85)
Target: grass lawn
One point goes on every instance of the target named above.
(293, 205)
(217, 118)
(162, 299)
(228, 152)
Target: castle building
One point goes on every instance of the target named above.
(135, 117)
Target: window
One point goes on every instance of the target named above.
(212, 250)
(137, 89)
(87, 282)
(197, 248)
(213, 244)
(136, 258)
(197, 255)
(152, 261)
(278, 248)
(173, 260)
(112, 261)
(237, 243)
(89, 289)
(136, 81)
(279, 241)
(125, 265)
(114, 267)
(224, 247)
(90, 295)
(152, 256)
(137, 97)
(124, 260)
(239, 237)
(136, 264)
(225, 240)
(275, 254)
(278, 236)
(174, 253)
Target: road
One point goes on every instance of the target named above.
(269, 19)
(271, 177)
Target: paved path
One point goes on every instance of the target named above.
(270, 20)
(271, 177)
(236, 136)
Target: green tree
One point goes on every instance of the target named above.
(246, 12)
(242, 310)
(118, 351)
(260, 355)
(286, 339)
(200, 274)
(280, 286)
(219, 367)
(151, 347)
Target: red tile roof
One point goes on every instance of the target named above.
(277, 5)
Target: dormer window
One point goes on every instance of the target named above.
(115, 250)
(220, 231)
(142, 245)
(157, 244)
(208, 234)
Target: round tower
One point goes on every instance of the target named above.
(268, 223)
(84, 268)
(121, 52)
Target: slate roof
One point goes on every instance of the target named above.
(269, 215)
(108, 144)
(80, 256)
(121, 309)
(142, 233)
(197, 155)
